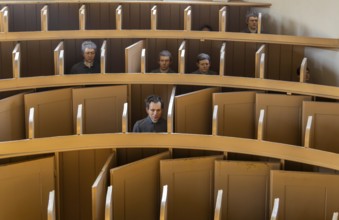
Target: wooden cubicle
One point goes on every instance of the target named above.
(83, 151)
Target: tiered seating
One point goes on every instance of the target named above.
(232, 147)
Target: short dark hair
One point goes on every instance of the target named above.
(203, 56)
(251, 14)
(155, 99)
(165, 53)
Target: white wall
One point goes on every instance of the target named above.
(313, 18)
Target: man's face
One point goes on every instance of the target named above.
(164, 63)
(89, 55)
(252, 23)
(154, 111)
(204, 66)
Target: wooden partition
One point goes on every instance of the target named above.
(12, 118)
(99, 189)
(24, 189)
(246, 188)
(136, 189)
(304, 195)
(236, 113)
(193, 112)
(78, 171)
(283, 61)
(190, 187)
(133, 57)
(325, 125)
(282, 122)
(102, 108)
(53, 112)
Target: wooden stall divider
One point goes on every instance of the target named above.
(16, 61)
(4, 19)
(261, 125)
(118, 17)
(143, 61)
(59, 63)
(31, 123)
(79, 120)
(259, 23)
(181, 57)
(303, 70)
(222, 59)
(262, 66)
(170, 112)
(218, 206)
(109, 204)
(215, 121)
(82, 18)
(274, 214)
(132, 57)
(308, 132)
(124, 125)
(222, 19)
(44, 18)
(258, 54)
(188, 19)
(103, 52)
(99, 188)
(163, 204)
(51, 206)
(154, 17)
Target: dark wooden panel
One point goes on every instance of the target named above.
(93, 14)
(273, 61)
(250, 50)
(229, 58)
(238, 59)
(134, 15)
(286, 62)
(6, 69)
(145, 16)
(17, 14)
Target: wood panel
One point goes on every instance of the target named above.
(78, 171)
(283, 117)
(304, 195)
(133, 57)
(245, 188)
(136, 193)
(102, 108)
(24, 189)
(12, 118)
(6, 68)
(31, 65)
(236, 114)
(99, 188)
(193, 112)
(53, 112)
(65, 16)
(190, 187)
(325, 125)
